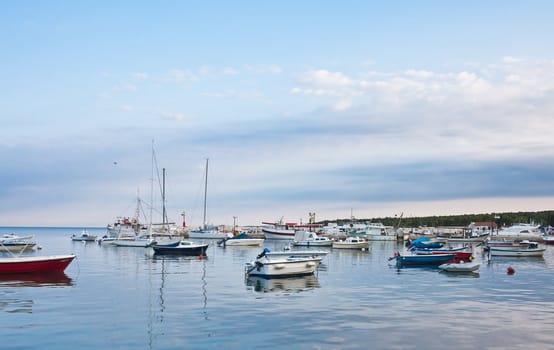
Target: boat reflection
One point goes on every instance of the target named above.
(288, 285)
(465, 274)
(35, 280)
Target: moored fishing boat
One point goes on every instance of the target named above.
(12, 242)
(422, 260)
(84, 237)
(351, 243)
(516, 249)
(273, 267)
(181, 248)
(242, 239)
(35, 264)
(311, 239)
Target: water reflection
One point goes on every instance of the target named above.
(460, 274)
(22, 305)
(35, 280)
(290, 284)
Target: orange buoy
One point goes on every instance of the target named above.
(510, 270)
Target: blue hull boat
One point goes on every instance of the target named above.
(423, 260)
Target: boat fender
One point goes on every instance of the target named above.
(510, 270)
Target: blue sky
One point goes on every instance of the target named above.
(363, 107)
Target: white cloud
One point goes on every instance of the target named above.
(230, 71)
(179, 76)
(325, 78)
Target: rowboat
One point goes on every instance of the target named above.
(35, 264)
(460, 267)
(530, 250)
(270, 267)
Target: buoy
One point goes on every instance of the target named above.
(39, 247)
(510, 270)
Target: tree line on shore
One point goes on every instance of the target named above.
(544, 218)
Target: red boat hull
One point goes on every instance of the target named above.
(33, 264)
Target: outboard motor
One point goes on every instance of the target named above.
(262, 254)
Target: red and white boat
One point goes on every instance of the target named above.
(33, 264)
(287, 230)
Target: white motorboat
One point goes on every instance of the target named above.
(271, 267)
(84, 237)
(311, 239)
(13, 242)
(241, 240)
(460, 267)
(521, 231)
(351, 243)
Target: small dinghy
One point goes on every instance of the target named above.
(460, 267)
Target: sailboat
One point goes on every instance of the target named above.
(142, 241)
(205, 231)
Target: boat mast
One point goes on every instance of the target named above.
(164, 213)
(206, 193)
(151, 192)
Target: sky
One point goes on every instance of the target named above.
(342, 108)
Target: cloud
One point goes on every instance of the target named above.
(230, 71)
(179, 76)
(324, 78)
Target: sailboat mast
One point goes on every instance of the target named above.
(206, 193)
(151, 192)
(164, 213)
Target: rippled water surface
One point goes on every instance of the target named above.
(127, 298)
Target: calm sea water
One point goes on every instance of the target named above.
(126, 298)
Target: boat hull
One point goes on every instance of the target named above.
(424, 260)
(314, 243)
(288, 267)
(516, 252)
(272, 233)
(16, 247)
(35, 264)
(255, 242)
(340, 245)
(460, 267)
(199, 250)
